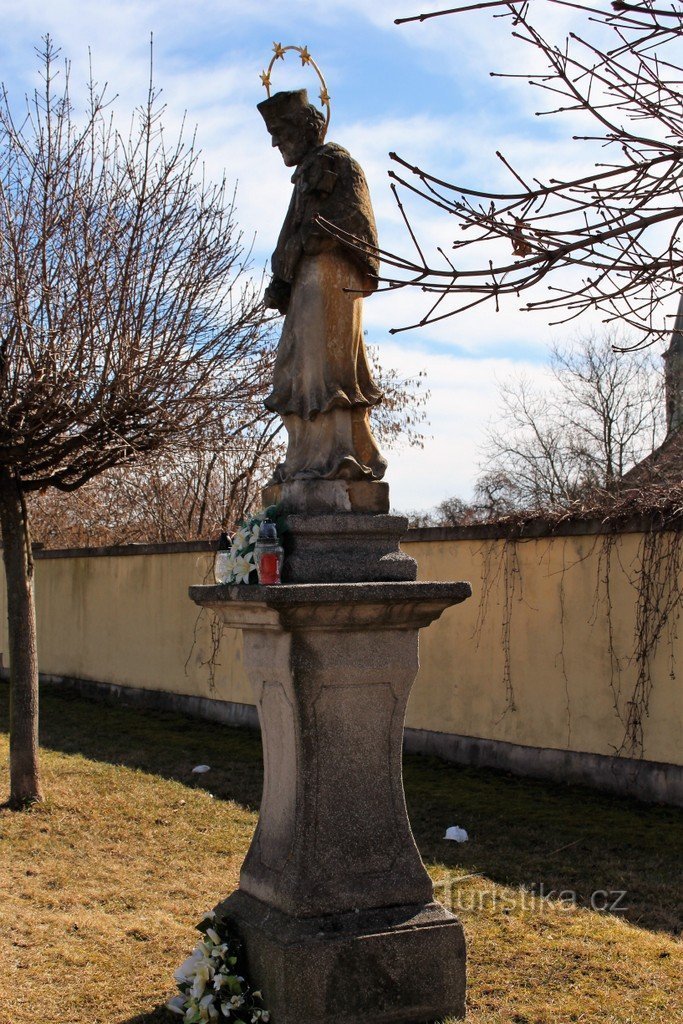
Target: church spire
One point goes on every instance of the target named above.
(673, 375)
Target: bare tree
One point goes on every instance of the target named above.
(449, 512)
(126, 319)
(209, 486)
(183, 495)
(608, 239)
(401, 416)
(600, 414)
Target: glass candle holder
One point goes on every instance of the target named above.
(268, 555)
(221, 562)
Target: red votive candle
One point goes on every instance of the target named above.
(269, 568)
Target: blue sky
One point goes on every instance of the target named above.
(421, 90)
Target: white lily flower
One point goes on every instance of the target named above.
(177, 1005)
(186, 971)
(219, 981)
(237, 1001)
(265, 1016)
(198, 986)
(253, 534)
(244, 565)
(211, 934)
(202, 976)
(205, 1007)
(230, 563)
(226, 1008)
(240, 539)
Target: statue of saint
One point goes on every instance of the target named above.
(322, 383)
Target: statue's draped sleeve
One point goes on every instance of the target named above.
(331, 185)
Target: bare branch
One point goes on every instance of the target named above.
(618, 224)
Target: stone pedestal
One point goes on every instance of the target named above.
(335, 906)
(342, 548)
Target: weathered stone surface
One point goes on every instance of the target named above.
(331, 666)
(318, 497)
(344, 606)
(335, 906)
(346, 548)
(388, 965)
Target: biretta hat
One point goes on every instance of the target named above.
(282, 106)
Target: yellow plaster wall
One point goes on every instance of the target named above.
(561, 688)
(128, 620)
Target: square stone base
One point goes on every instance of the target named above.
(346, 547)
(398, 964)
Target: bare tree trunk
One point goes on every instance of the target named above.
(21, 615)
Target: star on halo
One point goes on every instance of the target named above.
(279, 51)
(324, 96)
(265, 79)
(305, 56)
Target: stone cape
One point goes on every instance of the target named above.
(330, 184)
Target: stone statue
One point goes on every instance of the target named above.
(322, 383)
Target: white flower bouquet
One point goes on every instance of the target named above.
(212, 981)
(240, 566)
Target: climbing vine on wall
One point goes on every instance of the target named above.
(654, 574)
(507, 569)
(657, 581)
(210, 622)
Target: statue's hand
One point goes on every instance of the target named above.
(277, 295)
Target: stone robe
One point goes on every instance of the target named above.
(322, 383)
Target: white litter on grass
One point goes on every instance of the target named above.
(200, 769)
(457, 834)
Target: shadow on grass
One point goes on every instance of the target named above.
(547, 838)
(565, 842)
(159, 742)
(158, 1016)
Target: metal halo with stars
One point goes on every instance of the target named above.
(279, 52)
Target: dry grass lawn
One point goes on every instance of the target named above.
(102, 884)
